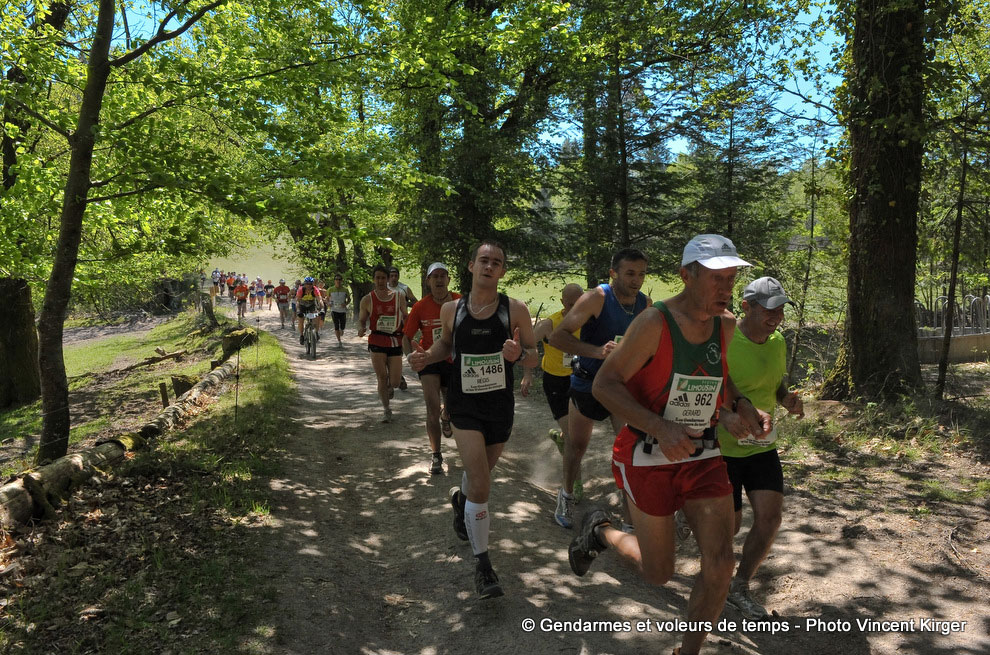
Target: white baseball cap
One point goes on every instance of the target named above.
(436, 266)
(712, 251)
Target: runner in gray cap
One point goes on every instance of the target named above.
(757, 359)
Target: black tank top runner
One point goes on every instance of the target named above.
(473, 336)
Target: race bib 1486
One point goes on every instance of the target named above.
(481, 373)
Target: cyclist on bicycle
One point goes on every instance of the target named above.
(308, 300)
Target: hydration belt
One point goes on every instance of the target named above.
(582, 373)
(707, 441)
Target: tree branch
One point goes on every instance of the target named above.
(162, 35)
(124, 194)
(41, 119)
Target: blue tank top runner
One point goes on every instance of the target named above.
(611, 322)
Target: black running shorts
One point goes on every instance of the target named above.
(555, 388)
(386, 350)
(495, 432)
(443, 369)
(588, 406)
(760, 472)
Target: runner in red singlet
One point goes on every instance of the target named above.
(384, 310)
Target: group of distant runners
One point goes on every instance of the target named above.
(689, 391)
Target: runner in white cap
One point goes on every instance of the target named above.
(424, 317)
(667, 380)
(757, 360)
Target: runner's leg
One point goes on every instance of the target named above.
(711, 520)
(431, 394)
(478, 460)
(650, 551)
(767, 507)
(379, 361)
(394, 370)
(576, 444)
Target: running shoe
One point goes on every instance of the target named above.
(557, 438)
(436, 466)
(585, 547)
(740, 598)
(388, 416)
(445, 428)
(564, 514)
(487, 583)
(457, 501)
(402, 384)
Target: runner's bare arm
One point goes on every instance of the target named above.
(522, 346)
(364, 314)
(790, 400)
(640, 342)
(542, 329)
(409, 331)
(587, 306)
(527, 381)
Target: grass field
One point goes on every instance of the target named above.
(259, 256)
(545, 290)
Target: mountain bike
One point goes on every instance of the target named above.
(309, 335)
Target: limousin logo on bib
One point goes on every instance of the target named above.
(695, 385)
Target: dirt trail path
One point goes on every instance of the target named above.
(360, 545)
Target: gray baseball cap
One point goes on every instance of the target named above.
(712, 251)
(766, 291)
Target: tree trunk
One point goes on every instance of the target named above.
(886, 130)
(54, 385)
(591, 167)
(943, 360)
(20, 380)
(807, 269)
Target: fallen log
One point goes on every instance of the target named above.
(153, 360)
(35, 494)
(174, 413)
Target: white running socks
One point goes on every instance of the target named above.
(477, 521)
